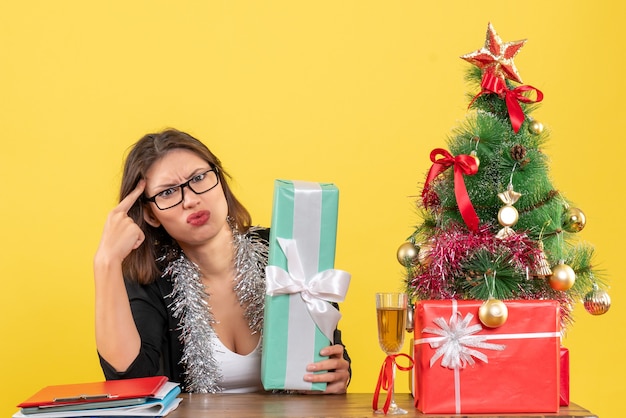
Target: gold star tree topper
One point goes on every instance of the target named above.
(497, 57)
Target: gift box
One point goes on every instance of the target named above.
(299, 318)
(564, 380)
(462, 366)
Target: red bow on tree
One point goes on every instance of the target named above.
(491, 83)
(463, 165)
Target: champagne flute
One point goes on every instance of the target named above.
(391, 313)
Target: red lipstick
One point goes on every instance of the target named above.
(199, 218)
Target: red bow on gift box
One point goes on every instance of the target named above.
(463, 165)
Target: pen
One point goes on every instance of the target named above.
(84, 398)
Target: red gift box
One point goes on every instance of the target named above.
(564, 387)
(463, 367)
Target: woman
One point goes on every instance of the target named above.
(179, 276)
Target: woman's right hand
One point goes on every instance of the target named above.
(117, 338)
(121, 234)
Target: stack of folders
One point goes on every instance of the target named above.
(146, 396)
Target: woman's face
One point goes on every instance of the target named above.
(199, 217)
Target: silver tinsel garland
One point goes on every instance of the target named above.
(191, 307)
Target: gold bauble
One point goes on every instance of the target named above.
(407, 254)
(535, 127)
(508, 215)
(493, 313)
(563, 277)
(474, 155)
(597, 302)
(574, 220)
(410, 321)
(425, 257)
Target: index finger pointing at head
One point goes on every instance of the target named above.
(128, 202)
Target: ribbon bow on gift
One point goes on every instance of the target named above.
(456, 342)
(328, 285)
(491, 83)
(463, 165)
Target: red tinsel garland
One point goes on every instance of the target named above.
(452, 245)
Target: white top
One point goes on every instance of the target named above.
(240, 374)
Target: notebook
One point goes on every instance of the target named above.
(116, 391)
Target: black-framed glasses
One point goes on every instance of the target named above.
(173, 196)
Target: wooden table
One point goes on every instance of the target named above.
(299, 406)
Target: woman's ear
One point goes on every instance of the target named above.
(148, 216)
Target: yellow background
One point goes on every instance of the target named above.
(351, 92)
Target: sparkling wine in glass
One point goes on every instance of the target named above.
(391, 314)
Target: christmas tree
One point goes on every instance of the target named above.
(493, 226)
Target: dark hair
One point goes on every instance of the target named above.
(141, 264)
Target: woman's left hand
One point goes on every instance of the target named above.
(337, 373)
